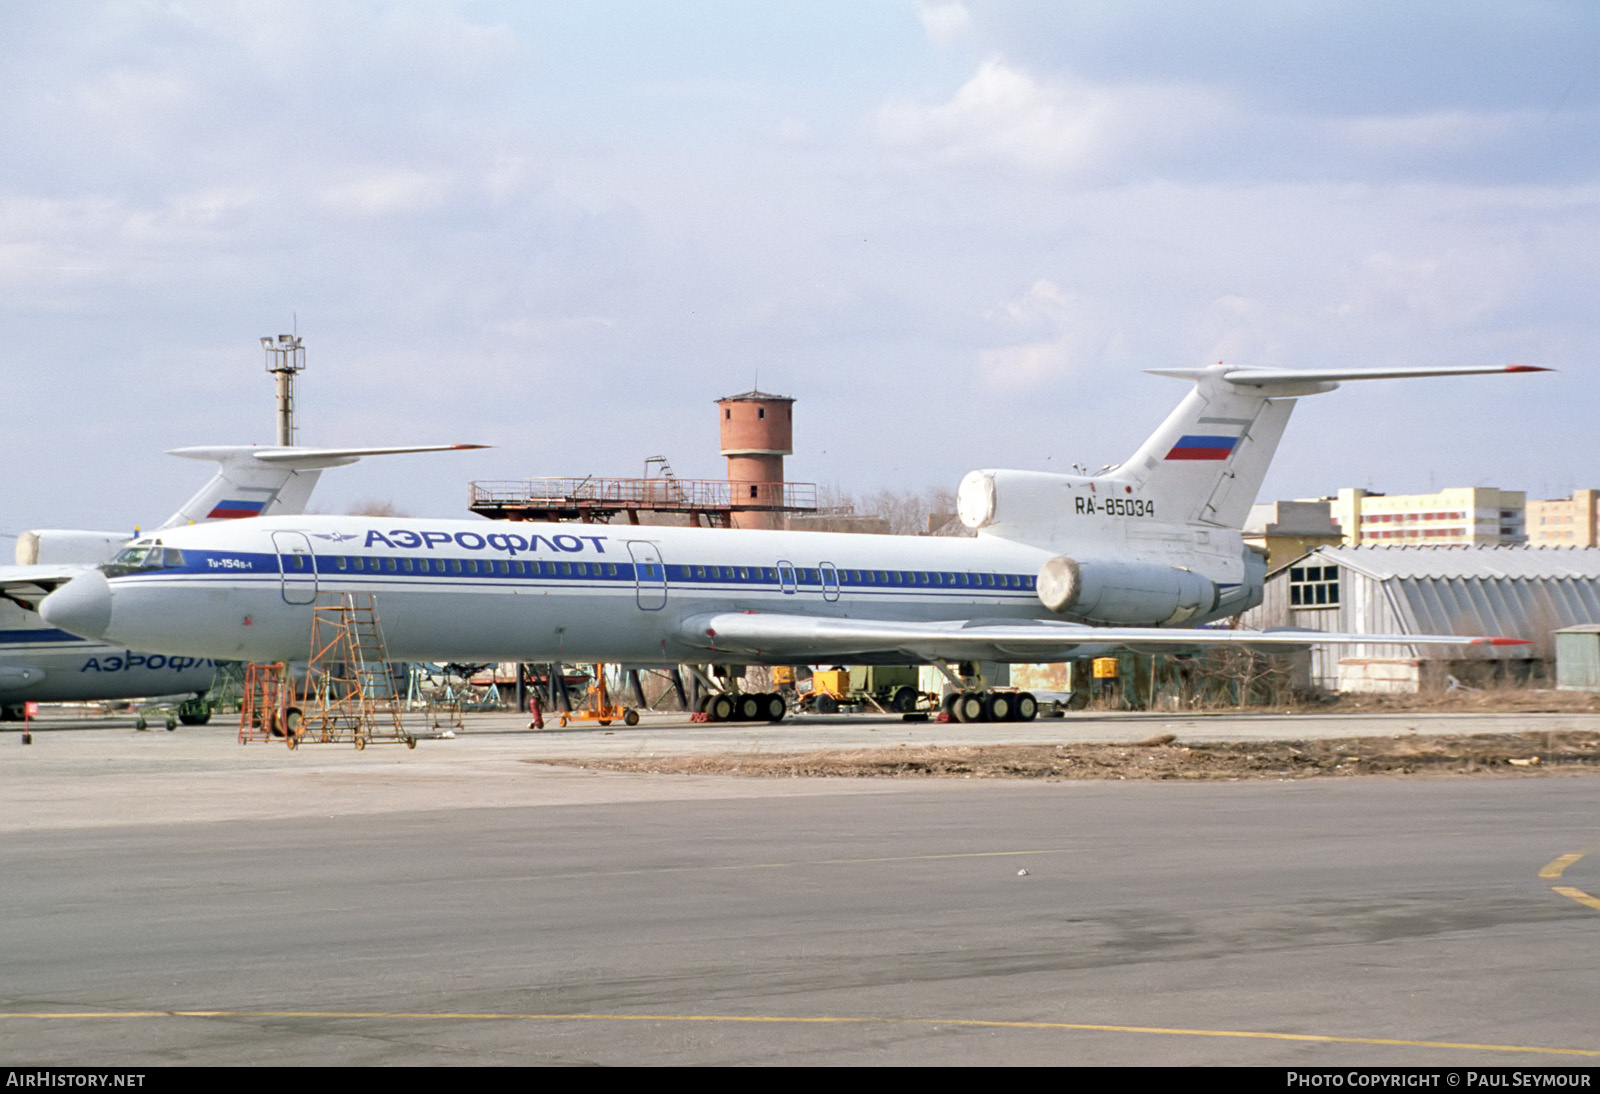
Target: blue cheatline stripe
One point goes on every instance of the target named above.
(223, 565)
(42, 634)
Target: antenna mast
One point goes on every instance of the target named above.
(286, 355)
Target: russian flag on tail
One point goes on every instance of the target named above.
(1197, 447)
(232, 509)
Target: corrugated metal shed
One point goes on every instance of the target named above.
(1518, 591)
(1463, 561)
(1578, 658)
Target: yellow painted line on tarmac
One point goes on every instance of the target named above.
(1577, 894)
(760, 1019)
(1558, 866)
(1555, 867)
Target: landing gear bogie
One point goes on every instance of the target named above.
(752, 707)
(1027, 707)
(987, 705)
(1000, 706)
(970, 707)
(773, 707)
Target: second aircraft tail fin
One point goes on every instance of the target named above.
(1206, 462)
(256, 481)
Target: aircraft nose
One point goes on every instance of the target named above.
(82, 606)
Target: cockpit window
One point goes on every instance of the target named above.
(143, 557)
(131, 556)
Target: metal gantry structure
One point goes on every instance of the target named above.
(710, 503)
(350, 693)
(265, 703)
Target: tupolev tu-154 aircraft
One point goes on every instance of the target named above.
(1062, 567)
(41, 663)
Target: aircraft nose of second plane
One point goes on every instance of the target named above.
(82, 606)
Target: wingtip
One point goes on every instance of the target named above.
(1528, 368)
(1502, 642)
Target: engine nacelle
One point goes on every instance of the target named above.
(990, 498)
(57, 547)
(1248, 592)
(1130, 594)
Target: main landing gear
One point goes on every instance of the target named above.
(970, 701)
(991, 706)
(726, 703)
(733, 707)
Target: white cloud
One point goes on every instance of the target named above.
(390, 192)
(1446, 289)
(1001, 113)
(183, 176)
(1072, 336)
(1449, 131)
(1060, 127)
(1240, 330)
(945, 23)
(124, 97)
(541, 329)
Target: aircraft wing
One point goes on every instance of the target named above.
(803, 638)
(27, 585)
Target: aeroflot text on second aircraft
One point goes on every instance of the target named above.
(129, 660)
(509, 542)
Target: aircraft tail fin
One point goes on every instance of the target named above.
(256, 481)
(1206, 462)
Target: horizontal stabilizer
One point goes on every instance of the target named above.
(259, 481)
(1263, 377)
(301, 458)
(1311, 381)
(771, 635)
(1206, 462)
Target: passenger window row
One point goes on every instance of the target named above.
(675, 574)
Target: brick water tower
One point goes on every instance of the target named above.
(757, 433)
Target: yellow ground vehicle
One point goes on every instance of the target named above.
(598, 706)
(889, 689)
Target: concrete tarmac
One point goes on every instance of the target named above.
(171, 898)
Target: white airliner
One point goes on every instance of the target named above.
(1062, 567)
(42, 663)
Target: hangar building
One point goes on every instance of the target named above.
(1520, 592)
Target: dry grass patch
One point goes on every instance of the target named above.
(1162, 757)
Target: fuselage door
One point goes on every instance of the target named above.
(649, 576)
(830, 582)
(786, 576)
(298, 566)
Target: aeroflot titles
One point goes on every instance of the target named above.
(129, 660)
(508, 542)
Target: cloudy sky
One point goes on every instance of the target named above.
(956, 232)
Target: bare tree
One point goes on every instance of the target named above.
(375, 507)
(902, 512)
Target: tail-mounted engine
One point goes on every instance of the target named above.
(1131, 594)
(56, 547)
